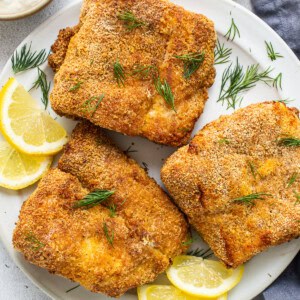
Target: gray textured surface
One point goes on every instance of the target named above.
(13, 283)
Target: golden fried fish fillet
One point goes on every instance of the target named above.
(233, 157)
(84, 59)
(104, 253)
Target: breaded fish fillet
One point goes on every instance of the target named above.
(104, 253)
(86, 56)
(233, 157)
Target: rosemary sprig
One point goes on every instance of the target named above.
(26, 59)
(88, 105)
(222, 54)
(289, 142)
(94, 198)
(192, 62)
(277, 82)
(271, 52)
(73, 288)
(119, 73)
(44, 85)
(236, 81)
(144, 71)
(297, 195)
(76, 86)
(248, 200)
(109, 237)
(292, 179)
(35, 243)
(200, 253)
(130, 20)
(232, 31)
(165, 91)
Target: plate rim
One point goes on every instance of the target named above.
(230, 4)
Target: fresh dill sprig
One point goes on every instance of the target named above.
(252, 169)
(165, 91)
(248, 200)
(44, 85)
(222, 54)
(73, 288)
(129, 150)
(289, 142)
(130, 20)
(297, 195)
(232, 31)
(188, 242)
(271, 52)
(292, 179)
(144, 71)
(35, 243)
(113, 209)
(76, 86)
(224, 141)
(88, 105)
(109, 237)
(285, 101)
(119, 73)
(236, 81)
(200, 253)
(145, 166)
(26, 59)
(277, 82)
(94, 198)
(192, 62)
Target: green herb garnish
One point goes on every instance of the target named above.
(289, 142)
(277, 82)
(236, 81)
(232, 31)
(200, 253)
(248, 200)
(94, 198)
(119, 73)
(130, 20)
(271, 52)
(292, 179)
(165, 91)
(222, 54)
(192, 62)
(35, 243)
(285, 101)
(44, 85)
(25, 59)
(109, 237)
(76, 86)
(224, 141)
(297, 195)
(89, 106)
(144, 71)
(73, 288)
(252, 169)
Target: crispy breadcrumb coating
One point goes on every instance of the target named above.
(136, 108)
(235, 156)
(148, 230)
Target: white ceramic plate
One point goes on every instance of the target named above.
(250, 48)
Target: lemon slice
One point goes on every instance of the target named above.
(19, 170)
(202, 277)
(25, 125)
(167, 292)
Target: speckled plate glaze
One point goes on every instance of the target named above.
(263, 269)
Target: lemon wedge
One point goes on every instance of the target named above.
(19, 170)
(202, 277)
(167, 292)
(25, 125)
